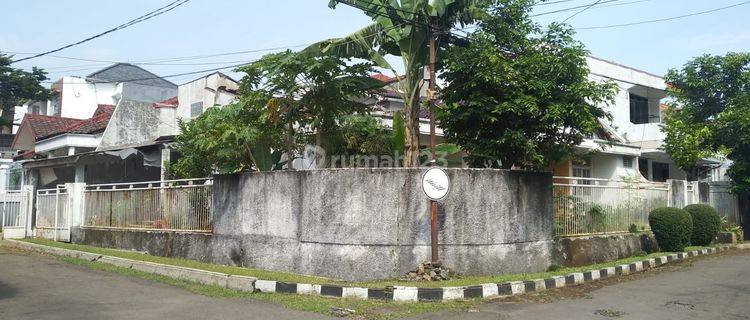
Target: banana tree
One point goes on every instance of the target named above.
(402, 28)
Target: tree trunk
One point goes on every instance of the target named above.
(411, 123)
(290, 146)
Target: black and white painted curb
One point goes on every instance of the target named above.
(397, 293)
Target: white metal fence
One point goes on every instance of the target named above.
(14, 208)
(591, 206)
(164, 205)
(53, 214)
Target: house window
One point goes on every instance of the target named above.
(643, 167)
(196, 109)
(627, 162)
(582, 169)
(638, 109)
(661, 171)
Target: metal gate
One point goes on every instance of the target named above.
(53, 214)
(14, 213)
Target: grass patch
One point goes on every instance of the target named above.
(365, 309)
(296, 278)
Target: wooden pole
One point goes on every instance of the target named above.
(433, 160)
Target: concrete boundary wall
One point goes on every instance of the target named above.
(362, 224)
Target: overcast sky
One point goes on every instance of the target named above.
(202, 27)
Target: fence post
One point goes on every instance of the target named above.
(678, 194)
(57, 206)
(76, 200)
(30, 198)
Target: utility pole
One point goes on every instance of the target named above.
(433, 157)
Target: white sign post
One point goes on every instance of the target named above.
(435, 185)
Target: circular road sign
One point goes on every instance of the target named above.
(435, 183)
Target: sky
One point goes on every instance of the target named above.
(203, 27)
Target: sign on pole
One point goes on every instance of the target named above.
(435, 184)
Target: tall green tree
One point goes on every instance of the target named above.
(309, 92)
(519, 93)
(402, 28)
(711, 114)
(18, 86)
(234, 138)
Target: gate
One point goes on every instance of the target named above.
(14, 213)
(53, 218)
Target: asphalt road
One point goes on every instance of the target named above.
(711, 288)
(34, 286)
(39, 287)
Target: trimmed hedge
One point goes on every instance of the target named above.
(706, 223)
(673, 228)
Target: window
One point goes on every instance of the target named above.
(643, 167)
(196, 109)
(638, 109)
(661, 171)
(627, 162)
(582, 169)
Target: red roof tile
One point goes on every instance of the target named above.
(172, 102)
(384, 78)
(46, 126)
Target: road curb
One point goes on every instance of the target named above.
(397, 293)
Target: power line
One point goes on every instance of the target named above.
(569, 9)
(663, 19)
(209, 70)
(171, 6)
(582, 10)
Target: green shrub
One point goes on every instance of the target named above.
(672, 227)
(554, 267)
(706, 223)
(633, 228)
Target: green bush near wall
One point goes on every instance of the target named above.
(673, 228)
(706, 223)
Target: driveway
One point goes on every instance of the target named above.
(34, 286)
(711, 288)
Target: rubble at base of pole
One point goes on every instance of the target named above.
(429, 271)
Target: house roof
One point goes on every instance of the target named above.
(97, 123)
(125, 72)
(43, 126)
(172, 102)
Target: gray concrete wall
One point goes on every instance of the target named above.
(132, 123)
(359, 224)
(194, 246)
(583, 251)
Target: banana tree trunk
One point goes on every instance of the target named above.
(411, 133)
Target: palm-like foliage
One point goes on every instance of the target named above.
(402, 28)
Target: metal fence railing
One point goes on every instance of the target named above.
(592, 206)
(13, 208)
(51, 207)
(183, 205)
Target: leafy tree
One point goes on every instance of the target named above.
(401, 29)
(308, 92)
(234, 138)
(363, 135)
(519, 94)
(711, 114)
(18, 86)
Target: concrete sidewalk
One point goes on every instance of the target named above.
(34, 286)
(713, 288)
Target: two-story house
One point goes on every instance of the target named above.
(630, 144)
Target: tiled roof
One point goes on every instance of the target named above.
(172, 102)
(95, 124)
(384, 78)
(47, 126)
(104, 108)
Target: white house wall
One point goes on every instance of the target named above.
(204, 90)
(638, 82)
(132, 123)
(81, 98)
